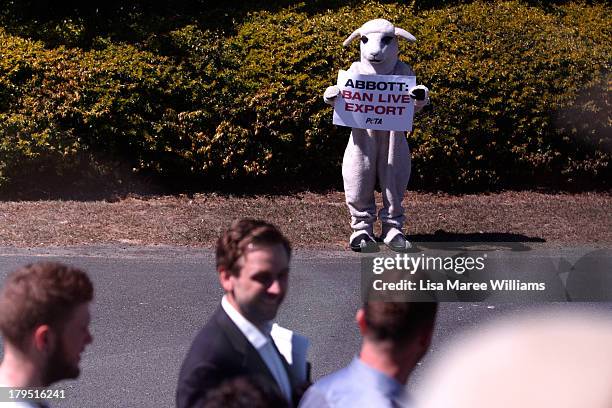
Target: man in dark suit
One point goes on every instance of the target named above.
(253, 265)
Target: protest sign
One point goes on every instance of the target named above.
(378, 102)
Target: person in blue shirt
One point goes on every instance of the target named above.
(396, 335)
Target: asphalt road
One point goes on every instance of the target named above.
(150, 302)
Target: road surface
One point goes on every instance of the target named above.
(151, 301)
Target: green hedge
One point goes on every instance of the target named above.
(520, 95)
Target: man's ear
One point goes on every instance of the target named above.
(226, 279)
(43, 338)
(361, 322)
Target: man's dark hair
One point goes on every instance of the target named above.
(40, 293)
(244, 392)
(398, 321)
(235, 242)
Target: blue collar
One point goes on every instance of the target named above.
(388, 386)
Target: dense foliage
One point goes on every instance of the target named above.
(521, 94)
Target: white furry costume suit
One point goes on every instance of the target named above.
(373, 156)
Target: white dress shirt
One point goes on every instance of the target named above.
(263, 344)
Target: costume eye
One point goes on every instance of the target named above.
(364, 39)
(387, 40)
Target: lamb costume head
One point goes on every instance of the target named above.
(374, 157)
(379, 44)
(379, 55)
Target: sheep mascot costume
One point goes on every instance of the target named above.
(373, 156)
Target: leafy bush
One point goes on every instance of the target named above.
(520, 95)
(511, 83)
(64, 106)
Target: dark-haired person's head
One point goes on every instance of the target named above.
(398, 318)
(397, 322)
(245, 392)
(44, 321)
(396, 334)
(253, 265)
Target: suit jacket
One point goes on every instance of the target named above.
(221, 352)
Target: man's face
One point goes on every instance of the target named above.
(70, 342)
(261, 285)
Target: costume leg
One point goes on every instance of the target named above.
(394, 165)
(359, 175)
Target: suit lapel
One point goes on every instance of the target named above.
(251, 360)
(292, 379)
(297, 388)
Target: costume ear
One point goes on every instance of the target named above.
(351, 38)
(400, 32)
